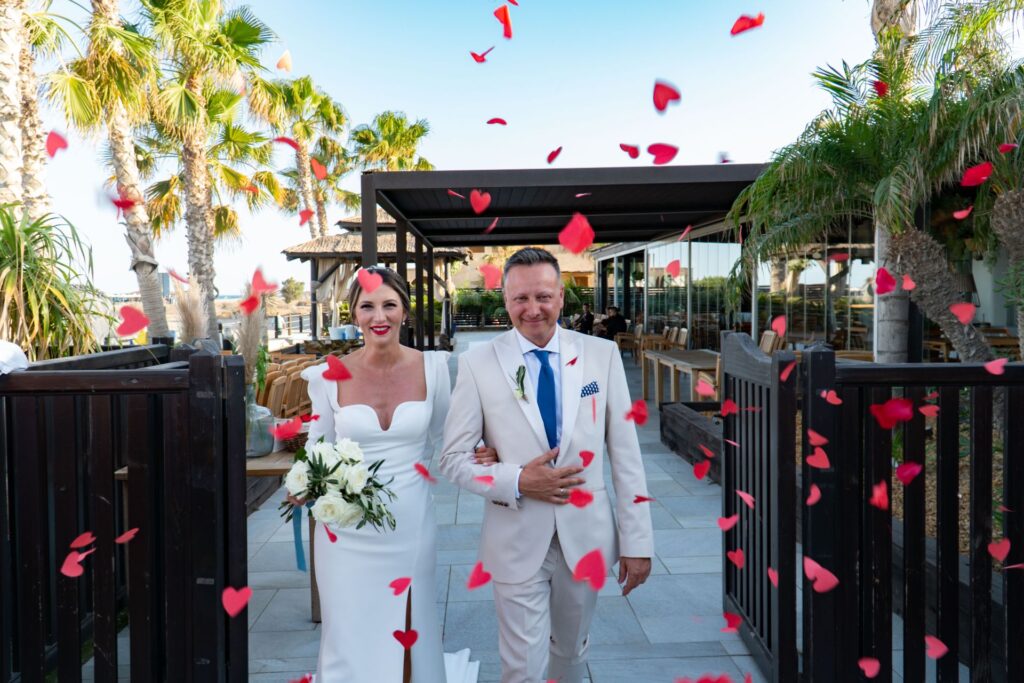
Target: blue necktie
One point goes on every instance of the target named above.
(546, 398)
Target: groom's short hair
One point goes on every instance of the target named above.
(530, 256)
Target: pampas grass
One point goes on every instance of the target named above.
(250, 336)
(191, 313)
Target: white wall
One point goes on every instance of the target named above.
(993, 308)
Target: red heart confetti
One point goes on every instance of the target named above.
(478, 577)
(638, 412)
(779, 325)
(593, 408)
(572, 361)
(706, 451)
(686, 232)
(453, 193)
(177, 277)
(318, 169)
(976, 175)
(123, 203)
(479, 201)
(591, 568)
(481, 57)
(745, 23)
(737, 557)
(492, 226)
(309, 418)
(703, 388)
(132, 320)
(288, 141)
(286, 430)
(304, 216)
(700, 469)
(72, 567)
(502, 15)
(424, 472)
(554, 154)
(308, 678)
(787, 371)
(819, 459)
(773, 576)
(822, 579)
(747, 498)
(964, 312)
(580, 498)
(1007, 147)
(492, 275)
(83, 540)
(485, 479)
(963, 213)
(907, 472)
(336, 370)
(662, 153)
(814, 496)
(892, 411)
(249, 305)
(839, 257)
(997, 366)
(126, 536)
(285, 62)
(723, 158)
(870, 666)
(406, 638)
(369, 281)
(577, 235)
(881, 88)
(832, 397)
(731, 442)
(732, 622)
(673, 268)
(234, 601)
(260, 286)
(632, 150)
(580, 195)
(251, 189)
(664, 94)
(729, 407)
(934, 648)
(884, 282)
(908, 283)
(642, 499)
(54, 142)
(587, 457)
(726, 523)
(815, 438)
(932, 395)
(999, 550)
(880, 496)
(497, 121)
(331, 536)
(399, 585)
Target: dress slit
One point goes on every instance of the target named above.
(407, 667)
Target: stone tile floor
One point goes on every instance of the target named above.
(666, 629)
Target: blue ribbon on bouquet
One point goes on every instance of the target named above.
(300, 553)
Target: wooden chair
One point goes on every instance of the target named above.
(275, 394)
(714, 380)
(295, 396)
(768, 341)
(856, 355)
(682, 336)
(626, 341)
(261, 397)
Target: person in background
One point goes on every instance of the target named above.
(614, 323)
(584, 321)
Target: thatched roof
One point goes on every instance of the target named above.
(350, 247)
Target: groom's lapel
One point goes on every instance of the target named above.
(570, 354)
(510, 356)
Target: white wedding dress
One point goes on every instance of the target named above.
(359, 609)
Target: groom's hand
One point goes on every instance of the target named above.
(634, 571)
(550, 484)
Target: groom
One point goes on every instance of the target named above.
(553, 403)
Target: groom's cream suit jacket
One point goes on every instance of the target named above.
(517, 532)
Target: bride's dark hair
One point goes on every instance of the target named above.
(389, 278)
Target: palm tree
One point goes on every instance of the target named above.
(390, 143)
(11, 38)
(108, 87)
(338, 163)
(203, 43)
(308, 112)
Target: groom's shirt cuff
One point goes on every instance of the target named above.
(518, 474)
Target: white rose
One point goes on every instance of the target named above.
(333, 510)
(341, 476)
(297, 479)
(324, 451)
(349, 450)
(356, 479)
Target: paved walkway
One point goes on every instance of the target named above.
(668, 628)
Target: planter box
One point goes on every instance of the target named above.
(683, 427)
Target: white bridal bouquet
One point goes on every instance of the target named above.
(343, 490)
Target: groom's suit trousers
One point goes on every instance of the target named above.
(544, 624)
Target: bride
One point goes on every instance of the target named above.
(377, 589)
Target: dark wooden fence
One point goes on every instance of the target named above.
(175, 419)
(853, 539)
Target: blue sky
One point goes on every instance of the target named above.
(577, 74)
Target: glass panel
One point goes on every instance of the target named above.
(666, 295)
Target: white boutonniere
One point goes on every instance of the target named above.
(520, 379)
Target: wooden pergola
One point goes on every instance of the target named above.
(634, 204)
(334, 259)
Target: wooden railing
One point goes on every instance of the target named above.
(65, 427)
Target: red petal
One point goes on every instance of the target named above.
(706, 451)
(406, 638)
(631, 150)
(892, 411)
(786, 371)
(453, 193)
(729, 407)
(997, 366)
(815, 438)
(580, 195)
(481, 57)
(732, 622)
(643, 499)
(881, 88)
(880, 496)
(884, 282)
(638, 412)
(497, 120)
(336, 370)
(502, 15)
(870, 666)
(839, 257)
(747, 498)
(234, 601)
(132, 321)
(907, 472)
(662, 153)
(72, 567)
(685, 233)
(487, 480)
(673, 268)
(908, 283)
(832, 397)
(369, 281)
(249, 305)
(934, 648)
(703, 388)
(587, 457)
(1007, 147)
(127, 536)
(424, 472)
(573, 360)
(492, 275)
(819, 459)
(963, 213)
(773, 576)
(554, 155)
(779, 325)
(664, 94)
(580, 498)
(478, 577)
(400, 584)
(964, 312)
(54, 142)
(737, 557)
(577, 235)
(999, 550)
(176, 276)
(976, 175)
(700, 469)
(745, 23)
(492, 226)
(726, 523)
(814, 496)
(319, 170)
(260, 286)
(479, 201)
(288, 141)
(304, 216)
(591, 568)
(83, 540)
(286, 430)
(331, 536)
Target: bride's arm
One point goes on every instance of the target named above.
(319, 389)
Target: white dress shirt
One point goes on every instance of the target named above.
(533, 369)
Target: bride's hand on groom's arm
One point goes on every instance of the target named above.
(633, 571)
(485, 455)
(297, 502)
(550, 484)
